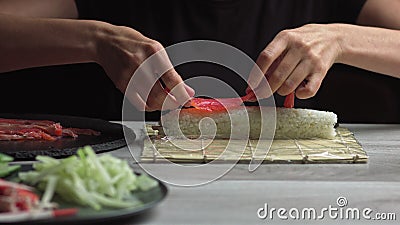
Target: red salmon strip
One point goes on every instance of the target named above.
(16, 129)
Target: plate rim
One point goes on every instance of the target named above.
(62, 153)
(116, 214)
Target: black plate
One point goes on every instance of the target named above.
(87, 215)
(111, 138)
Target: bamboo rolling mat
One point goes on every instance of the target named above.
(343, 149)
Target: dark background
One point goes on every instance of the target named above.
(357, 96)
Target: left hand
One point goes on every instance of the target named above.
(293, 56)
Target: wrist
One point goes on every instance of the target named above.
(81, 45)
(342, 32)
(100, 36)
(94, 37)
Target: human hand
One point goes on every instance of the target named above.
(296, 60)
(121, 50)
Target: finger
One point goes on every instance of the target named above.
(137, 101)
(177, 88)
(272, 68)
(159, 99)
(153, 70)
(171, 78)
(189, 90)
(295, 79)
(309, 88)
(263, 90)
(266, 58)
(283, 70)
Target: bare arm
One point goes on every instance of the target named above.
(372, 48)
(32, 42)
(40, 8)
(29, 41)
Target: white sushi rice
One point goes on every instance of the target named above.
(304, 123)
(290, 123)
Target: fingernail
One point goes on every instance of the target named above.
(190, 90)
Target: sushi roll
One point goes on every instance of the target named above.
(245, 122)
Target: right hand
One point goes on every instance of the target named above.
(121, 50)
(297, 60)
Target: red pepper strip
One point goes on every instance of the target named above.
(65, 212)
(218, 102)
(25, 199)
(249, 97)
(289, 101)
(215, 104)
(221, 103)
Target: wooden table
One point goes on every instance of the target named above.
(236, 197)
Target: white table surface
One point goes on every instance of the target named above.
(235, 198)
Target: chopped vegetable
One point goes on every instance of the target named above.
(16, 197)
(6, 169)
(5, 158)
(19, 203)
(89, 180)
